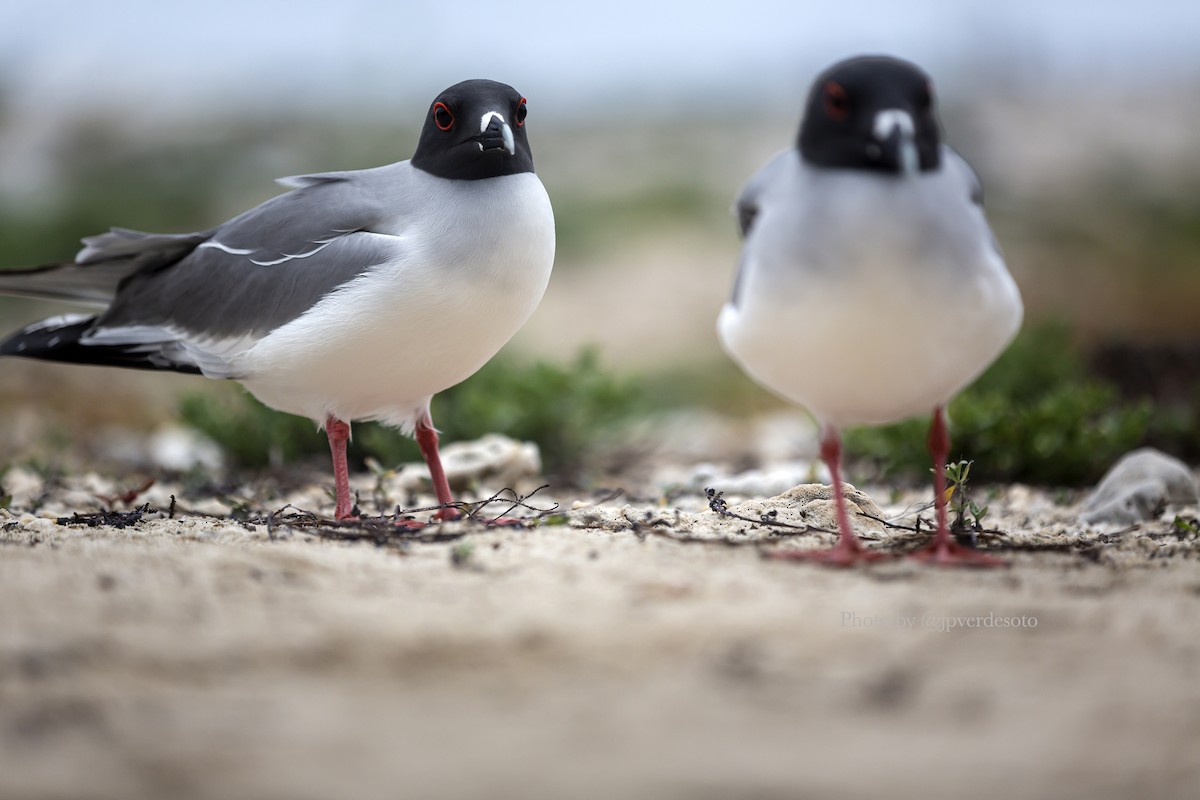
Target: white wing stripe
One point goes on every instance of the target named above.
(290, 256)
(233, 251)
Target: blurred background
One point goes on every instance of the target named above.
(645, 118)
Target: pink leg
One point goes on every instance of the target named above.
(339, 433)
(943, 550)
(848, 551)
(427, 440)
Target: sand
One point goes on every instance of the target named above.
(623, 648)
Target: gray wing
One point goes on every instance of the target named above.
(746, 210)
(974, 188)
(93, 281)
(179, 298)
(263, 268)
(746, 206)
(955, 161)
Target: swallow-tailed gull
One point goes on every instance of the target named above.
(870, 287)
(354, 296)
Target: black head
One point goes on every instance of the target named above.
(871, 113)
(475, 129)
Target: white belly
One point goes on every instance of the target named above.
(868, 299)
(382, 345)
(876, 351)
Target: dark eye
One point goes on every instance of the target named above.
(442, 116)
(522, 112)
(835, 101)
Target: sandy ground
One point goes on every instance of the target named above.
(622, 648)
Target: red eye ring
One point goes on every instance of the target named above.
(834, 101)
(442, 117)
(522, 112)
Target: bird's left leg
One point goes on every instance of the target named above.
(848, 551)
(943, 549)
(427, 439)
(339, 433)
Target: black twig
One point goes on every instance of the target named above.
(604, 497)
(400, 527)
(473, 510)
(717, 503)
(106, 518)
(893, 525)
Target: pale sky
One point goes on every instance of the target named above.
(188, 56)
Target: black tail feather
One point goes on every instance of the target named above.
(61, 339)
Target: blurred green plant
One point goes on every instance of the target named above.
(250, 434)
(967, 513)
(565, 409)
(715, 383)
(462, 554)
(1035, 416)
(1186, 526)
(176, 180)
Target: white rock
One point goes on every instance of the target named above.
(769, 481)
(170, 447)
(494, 461)
(24, 485)
(1137, 486)
(181, 449)
(813, 504)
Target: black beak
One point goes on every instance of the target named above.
(893, 146)
(495, 134)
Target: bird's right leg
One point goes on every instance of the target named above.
(943, 550)
(848, 551)
(339, 434)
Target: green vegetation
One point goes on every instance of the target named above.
(1111, 242)
(176, 179)
(251, 434)
(566, 410)
(462, 554)
(967, 513)
(1035, 416)
(1186, 526)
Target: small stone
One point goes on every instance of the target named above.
(812, 504)
(182, 449)
(24, 485)
(495, 461)
(1137, 487)
(769, 481)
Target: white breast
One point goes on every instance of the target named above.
(470, 268)
(868, 298)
